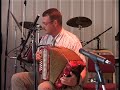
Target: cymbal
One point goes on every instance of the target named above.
(79, 22)
(27, 25)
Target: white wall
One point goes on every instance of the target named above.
(103, 13)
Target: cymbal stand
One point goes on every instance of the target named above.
(24, 16)
(23, 29)
(98, 43)
(79, 28)
(15, 65)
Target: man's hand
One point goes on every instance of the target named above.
(70, 81)
(38, 55)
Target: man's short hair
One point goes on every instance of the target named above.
(54, 14)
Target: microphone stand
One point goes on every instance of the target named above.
(97, 37)
(33, 32)
(6, 49)
(99, 77)
(33, 36)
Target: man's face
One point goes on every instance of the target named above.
(48, 25)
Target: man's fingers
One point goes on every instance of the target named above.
(38, 56)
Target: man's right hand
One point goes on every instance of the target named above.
(38, 55)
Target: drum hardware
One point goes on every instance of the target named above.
(98, 39)
(23, 42)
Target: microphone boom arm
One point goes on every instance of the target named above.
(97, 36)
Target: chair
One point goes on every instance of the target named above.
(108, 72)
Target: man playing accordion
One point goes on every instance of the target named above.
(56, 36)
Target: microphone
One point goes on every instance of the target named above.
(94, 57)
(35, 22)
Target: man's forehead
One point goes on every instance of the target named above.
(46, 18)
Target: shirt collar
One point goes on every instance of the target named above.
(59, 35)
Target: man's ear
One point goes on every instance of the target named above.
(55, 22)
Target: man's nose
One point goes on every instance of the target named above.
(43, 27)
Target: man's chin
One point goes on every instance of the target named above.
(46, 33)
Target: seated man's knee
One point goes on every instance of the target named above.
(22, 81)
(46, 85)
(17, 78)
(14, 78)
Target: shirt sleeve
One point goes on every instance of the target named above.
(76, 48)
